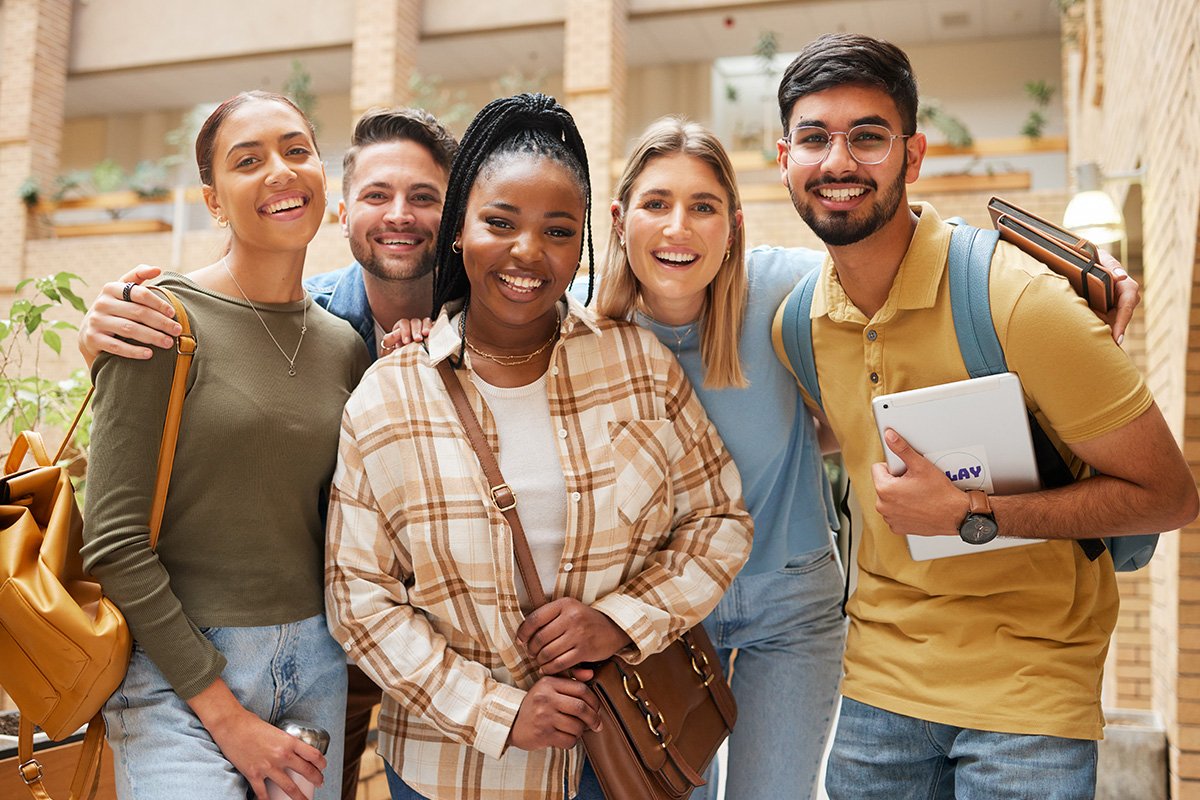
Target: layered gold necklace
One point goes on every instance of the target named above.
(503, 360)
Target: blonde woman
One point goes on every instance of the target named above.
(676, 265)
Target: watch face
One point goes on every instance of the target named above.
(978, 529)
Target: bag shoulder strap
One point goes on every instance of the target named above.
(796, 332)
(499, 491)
(970, 265)
(185, 350)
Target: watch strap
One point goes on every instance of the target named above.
(978, 503)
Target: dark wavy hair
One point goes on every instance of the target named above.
(386, 125)
(840, 59)
(525, 124)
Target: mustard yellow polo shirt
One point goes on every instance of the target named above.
(1011, 640)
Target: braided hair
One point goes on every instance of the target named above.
(532, 124)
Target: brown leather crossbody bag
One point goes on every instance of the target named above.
(663, 719)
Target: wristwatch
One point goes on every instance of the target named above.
(979, 527)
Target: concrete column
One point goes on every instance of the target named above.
(33, 61)
(384, 56)
(594, 75)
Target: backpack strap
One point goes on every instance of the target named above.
(970, 265)
(797, 334)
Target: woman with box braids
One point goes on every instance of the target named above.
(630, 504)
(527, 123)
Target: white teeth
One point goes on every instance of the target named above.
(284, 205)
(398, 241)
(840, 194)
(520, 282)
(676, 258)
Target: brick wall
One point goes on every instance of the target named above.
(384, 52)
(1132, 87)
(594, 77)
(33, 60)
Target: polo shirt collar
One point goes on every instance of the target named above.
(444, 339)
(916, 283)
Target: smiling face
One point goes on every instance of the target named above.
(521, 242)
(677, 226)
(267, 179)
(843, 201)
(392, 209)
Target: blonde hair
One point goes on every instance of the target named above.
(724, 306)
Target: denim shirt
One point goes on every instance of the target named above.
(343, 294)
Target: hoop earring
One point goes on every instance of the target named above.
(728, 250)
(456, 247)
(222, 222)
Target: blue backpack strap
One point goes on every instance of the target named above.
(797, 334)
(970, 264)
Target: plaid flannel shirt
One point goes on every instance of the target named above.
(421, 583)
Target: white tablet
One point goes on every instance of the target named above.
(977, 432)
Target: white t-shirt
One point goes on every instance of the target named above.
(530, 465)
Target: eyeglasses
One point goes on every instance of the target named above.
(867, 144)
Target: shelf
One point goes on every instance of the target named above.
(114, 227)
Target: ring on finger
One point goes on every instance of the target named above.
(127, 292)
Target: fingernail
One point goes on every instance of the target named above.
(1121, 339)
(891, 436)
(1120, 272)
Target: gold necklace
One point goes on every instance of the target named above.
(504, 361)
(303, 321)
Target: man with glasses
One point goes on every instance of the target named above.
(974, 676)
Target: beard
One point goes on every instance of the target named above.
(405, 269)
(840, 228)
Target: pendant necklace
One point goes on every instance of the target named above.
(303, 321)
(679, 332)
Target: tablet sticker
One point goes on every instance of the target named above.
(966, 467)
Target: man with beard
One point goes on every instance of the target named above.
(974, 676)
(394, 178)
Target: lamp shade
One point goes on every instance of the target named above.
(1092, 213)
(1094, 216)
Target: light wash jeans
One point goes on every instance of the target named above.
(878, 754)
(160, 749)
(788, 630)
(589, 787)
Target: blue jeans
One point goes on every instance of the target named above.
(878, 754)
(589, 787)
(788, 630)
(160, 748)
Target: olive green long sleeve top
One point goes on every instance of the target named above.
(242, 540)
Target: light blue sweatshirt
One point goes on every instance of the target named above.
(765, 426)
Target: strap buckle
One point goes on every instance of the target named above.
(186, 344)
(36, 777)
(504, 504)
